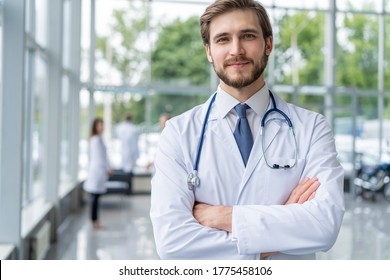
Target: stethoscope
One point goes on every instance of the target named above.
(193, 180)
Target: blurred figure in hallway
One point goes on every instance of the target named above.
(164, 117)
(98, 170)
(128, 135)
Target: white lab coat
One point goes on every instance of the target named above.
(261, 223)
(128, 135)
(98, 166)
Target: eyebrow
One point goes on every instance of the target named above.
(248, 30)
(220, 35)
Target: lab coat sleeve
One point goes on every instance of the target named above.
(177, 233)
(298, 229)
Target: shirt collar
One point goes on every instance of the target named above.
(258, 102)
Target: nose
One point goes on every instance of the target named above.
(236, 47)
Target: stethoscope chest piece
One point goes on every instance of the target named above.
(193, 180)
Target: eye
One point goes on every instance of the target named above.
(221, 40)
(249, 36)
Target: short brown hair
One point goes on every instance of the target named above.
(220, 7)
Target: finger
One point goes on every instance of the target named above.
(296, 192)
(305, 196)
(304, 185)
(300, 189)
(312, 196)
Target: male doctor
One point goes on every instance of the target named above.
(245, 207)
(128, 135)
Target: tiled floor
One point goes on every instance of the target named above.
(127, 235)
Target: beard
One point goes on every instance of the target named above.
(243, 80)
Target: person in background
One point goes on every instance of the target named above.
(128, 135)
(164, 117)
(98, 170)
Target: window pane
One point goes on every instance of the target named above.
(357, 54)
(299, 41)
(66, 35)
(312, 102)
(65, 133)
(298, 4)
(40, 89)
(85, 40)
(362, 5)
(28, 16)
(387, 53)
(386, 129)
(122, 46)
(27, 143)
(41, 22)
(179, 59)
(368, 112)
(84, 133)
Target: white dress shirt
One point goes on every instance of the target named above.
(258, 104)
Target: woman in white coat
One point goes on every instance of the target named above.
(98, 170)
(245, 207)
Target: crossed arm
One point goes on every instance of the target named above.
(220, 216)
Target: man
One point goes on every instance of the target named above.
(260, 196)
(128, 135)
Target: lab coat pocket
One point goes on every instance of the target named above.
(280, 182)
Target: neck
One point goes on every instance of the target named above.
(243, 94)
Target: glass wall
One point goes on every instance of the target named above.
(36, 64)
(1, 57)
(65, 151)
(156, 56)
(84, 134)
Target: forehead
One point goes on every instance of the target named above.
(234, 21)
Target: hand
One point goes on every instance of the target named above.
(305, 191)
(110, 172)
(219, 217)
(264, 256)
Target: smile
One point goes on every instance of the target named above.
(238, 64)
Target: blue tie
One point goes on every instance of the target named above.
(242, 133)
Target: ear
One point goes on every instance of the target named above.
(268, 45)
(208, 52)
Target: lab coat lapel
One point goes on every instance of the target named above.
(219, 128)
(222, 130)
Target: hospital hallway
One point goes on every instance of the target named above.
(128, 235)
